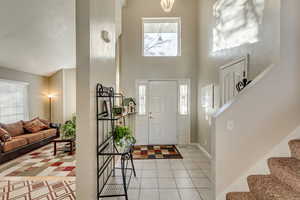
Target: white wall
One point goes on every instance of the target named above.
(134, 66)
(261, 167)
(262, 54)
(37, 36)
(264, 114)
(95, 63)
(37, 94)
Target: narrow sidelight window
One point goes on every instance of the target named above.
(183, 99)
(142, 99)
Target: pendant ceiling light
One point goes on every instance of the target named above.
(167, 5)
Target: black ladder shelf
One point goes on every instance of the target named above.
(112, 181)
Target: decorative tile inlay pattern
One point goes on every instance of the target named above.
(157, 179)
(156, 152)
(37, 190)
(41, 162)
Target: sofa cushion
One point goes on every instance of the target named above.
(34, 126)
(14, 129)
(49, 132)
(46, 122)
(4, 135)
(13, 144)
(33, 137)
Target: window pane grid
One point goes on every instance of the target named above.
(183, 99)
(142, 99)
(12, 101)
(161, 37)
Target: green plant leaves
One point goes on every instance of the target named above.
(69, 128)
(123, 136)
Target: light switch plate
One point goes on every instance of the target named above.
(230, 125)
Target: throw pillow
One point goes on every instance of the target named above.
(34, 126)
(24, 122)
(4, 135)
(14, 129)
(45, 122)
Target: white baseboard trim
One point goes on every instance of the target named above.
(203, 150)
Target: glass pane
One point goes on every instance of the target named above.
(183, 103)
(12, 101)
(161, 38)
(142, 99)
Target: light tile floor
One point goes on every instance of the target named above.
(184, 179)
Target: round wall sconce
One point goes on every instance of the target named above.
(105, 36)
(167, 5)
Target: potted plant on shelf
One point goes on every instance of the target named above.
(123, 137)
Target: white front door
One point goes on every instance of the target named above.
(163, 112)
(230, 75)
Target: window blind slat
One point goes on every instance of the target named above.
(13, 101)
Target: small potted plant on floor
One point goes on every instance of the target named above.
(69, 131)
(123, 137)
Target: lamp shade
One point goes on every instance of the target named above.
(167, 5)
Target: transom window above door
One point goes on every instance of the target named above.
(161, 37)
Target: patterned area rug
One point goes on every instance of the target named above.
(41, 162)
(37, 190)
(156, 152)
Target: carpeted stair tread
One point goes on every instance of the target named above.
(295, 148)
(266, 187)
(240, 196)
(287, 170)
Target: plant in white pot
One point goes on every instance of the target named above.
(123, 137)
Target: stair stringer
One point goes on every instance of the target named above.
(261, 167)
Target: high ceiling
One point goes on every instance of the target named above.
(37, 36)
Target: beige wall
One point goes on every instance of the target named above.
(38, 90)
(62, 85)
(134, 66)
(263, 53)
(69, 93)
(56, 89)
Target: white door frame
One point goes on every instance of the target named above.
(245, 60)
(170, 136)
(183, 121)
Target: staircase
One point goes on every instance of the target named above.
(282, 184)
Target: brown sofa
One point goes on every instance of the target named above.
(23, 142)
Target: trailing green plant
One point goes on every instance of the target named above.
(69, 128)
(123, 136)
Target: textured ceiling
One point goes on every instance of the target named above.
(37, 36)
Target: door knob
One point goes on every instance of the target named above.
(150, 115)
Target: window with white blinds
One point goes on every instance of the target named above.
(13, 101)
